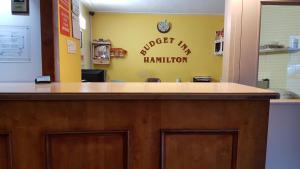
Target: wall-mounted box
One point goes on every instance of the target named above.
(219, 46)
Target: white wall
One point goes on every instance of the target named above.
(283, 150)
(23, 72)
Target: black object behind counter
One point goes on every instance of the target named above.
(93, 75)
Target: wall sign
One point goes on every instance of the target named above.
(71, 46)
(65, 4)
(75, 19)
(15, 44)
(64, 18)
(20, 6)
(75, 7)
(166, 59)
(75, 26)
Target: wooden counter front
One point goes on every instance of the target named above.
(133, 126)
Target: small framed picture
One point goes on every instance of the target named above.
(20, 6)
(81, 39)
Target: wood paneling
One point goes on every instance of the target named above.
(194, 149)
(5, 151)
(88, 150)
(29, 121)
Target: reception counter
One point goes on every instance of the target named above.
(133, 126)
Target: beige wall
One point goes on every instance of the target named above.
(242, 52)
(278, 23)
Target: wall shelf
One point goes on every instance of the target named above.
(270, 51)
(101, 52)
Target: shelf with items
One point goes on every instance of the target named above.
(219, 43)
(277, 48)
(269, 51)
(118, 52)
(101, 52)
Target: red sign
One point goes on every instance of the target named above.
(64, 20)
(65, 4)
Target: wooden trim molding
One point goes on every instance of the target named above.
(167, 132)
(122, 96)
(232, 45)
(123, 133)
(7, 136)
(47, 38)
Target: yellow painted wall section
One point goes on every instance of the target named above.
(70, 64)
(133, 31)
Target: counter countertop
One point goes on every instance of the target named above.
(186, 91)
(285, 101)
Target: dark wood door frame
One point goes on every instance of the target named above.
(47, 38)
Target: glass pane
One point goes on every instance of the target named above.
(279, 56)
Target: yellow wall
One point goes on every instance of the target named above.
(133, 31)
(69, 64)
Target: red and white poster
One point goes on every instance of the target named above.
(65, 4)
(64, 18)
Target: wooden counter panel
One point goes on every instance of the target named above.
(30, 123)
(194, 149)
(5, 151)
(88, 150)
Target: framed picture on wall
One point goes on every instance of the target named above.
(20, 6)
(80, 39)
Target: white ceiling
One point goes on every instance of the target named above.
(157, 6)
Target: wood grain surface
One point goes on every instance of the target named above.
(121, 134)
(154, 91)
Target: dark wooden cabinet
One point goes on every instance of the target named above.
(5, 151)
(199, 149)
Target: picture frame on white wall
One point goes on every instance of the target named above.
(81, 39)
(20, 7)
(15, 44)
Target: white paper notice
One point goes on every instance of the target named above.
(76, 26)
(75, 7)
(71, 46)
(14, 44)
